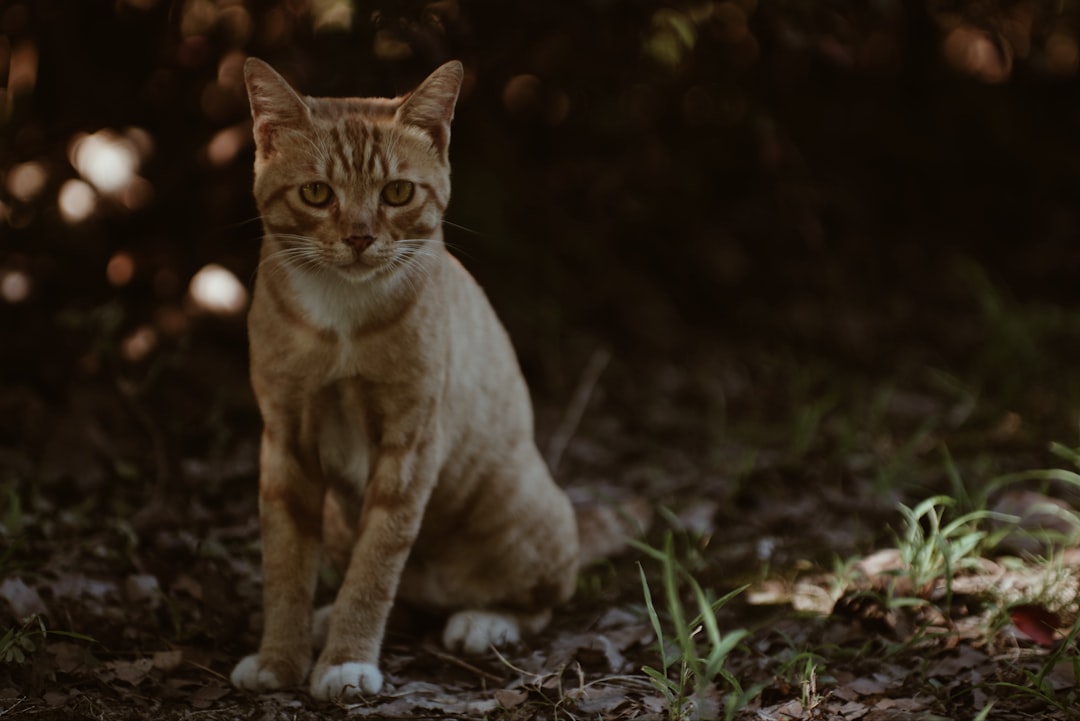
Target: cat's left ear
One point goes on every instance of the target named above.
(431, 106)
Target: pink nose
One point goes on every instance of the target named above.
(359, 243)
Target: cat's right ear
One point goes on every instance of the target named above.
(275, 106)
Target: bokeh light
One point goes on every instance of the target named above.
(76, 200)
(120, 269)
(139, 344)
(521, 93)
(106, 159)
(672, 37)
(332, 14)
(1062, 53)
(22, 68)
(198, 17)
(227, 143)
(15, 286)
(214, 289)
(970, 50)
(26, 181)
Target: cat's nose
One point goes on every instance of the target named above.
(359, 243)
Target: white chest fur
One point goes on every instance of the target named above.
(330, 302)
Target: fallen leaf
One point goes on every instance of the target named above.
(76, 585)
(55, 697)
(1036, 622)
(867, 686)
(1042, 521)
(508, 698)
(853, 710)
(143, 588)
(601, 647)
(131, 672)
(602, 700)
(1063, 675)
(615, 617)
(909, 704)
(788, 710)
(69, 657)
(24, 601)
(698, 518)
(168, 660)
(186, 584)
(207, 695)
(590, 649)
(965, 658)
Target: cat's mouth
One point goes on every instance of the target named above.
(359, 267)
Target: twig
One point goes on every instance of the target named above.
(464, 664)
(560, 439)
(207, 669)
(18, 702)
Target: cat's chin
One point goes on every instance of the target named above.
(358, 271)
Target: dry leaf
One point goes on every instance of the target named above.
(1036, 622)
(1037, 513)
(76, 585)
(168, 660)
(868, 686)
(24, 601)
(508, 698)
(132, 672)
(56, 697)
(207, 695)
(186, 584)
(143, 588)
(69, 657)
(853, 710)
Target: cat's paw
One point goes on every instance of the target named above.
(475, 631)
(346, 681)
(256, 673)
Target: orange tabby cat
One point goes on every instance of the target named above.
(385, 379)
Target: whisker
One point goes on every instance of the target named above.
(240, 223)
(462, 227)
(459, 250)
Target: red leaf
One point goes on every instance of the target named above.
(1036, 622)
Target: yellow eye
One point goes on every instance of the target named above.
(316, 194)
(398, 192)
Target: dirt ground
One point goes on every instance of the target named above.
(132, 548)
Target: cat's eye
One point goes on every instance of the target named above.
(398, 192)
(316, 194)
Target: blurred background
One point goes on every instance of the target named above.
(878, 183)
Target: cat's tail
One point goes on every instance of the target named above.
(607, 521)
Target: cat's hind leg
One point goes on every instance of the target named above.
(474, 631)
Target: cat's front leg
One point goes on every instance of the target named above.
(290, 514)
(390, 522)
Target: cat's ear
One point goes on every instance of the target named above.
(275, 106)
(431, 106)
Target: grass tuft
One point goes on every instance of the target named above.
(695, 653)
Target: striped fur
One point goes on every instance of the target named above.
(397, 426)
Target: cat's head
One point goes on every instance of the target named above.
(354, 186)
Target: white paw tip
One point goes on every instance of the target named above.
(247, 674)
(346, 681)
(475, 631)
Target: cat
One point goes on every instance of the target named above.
(388, 388)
